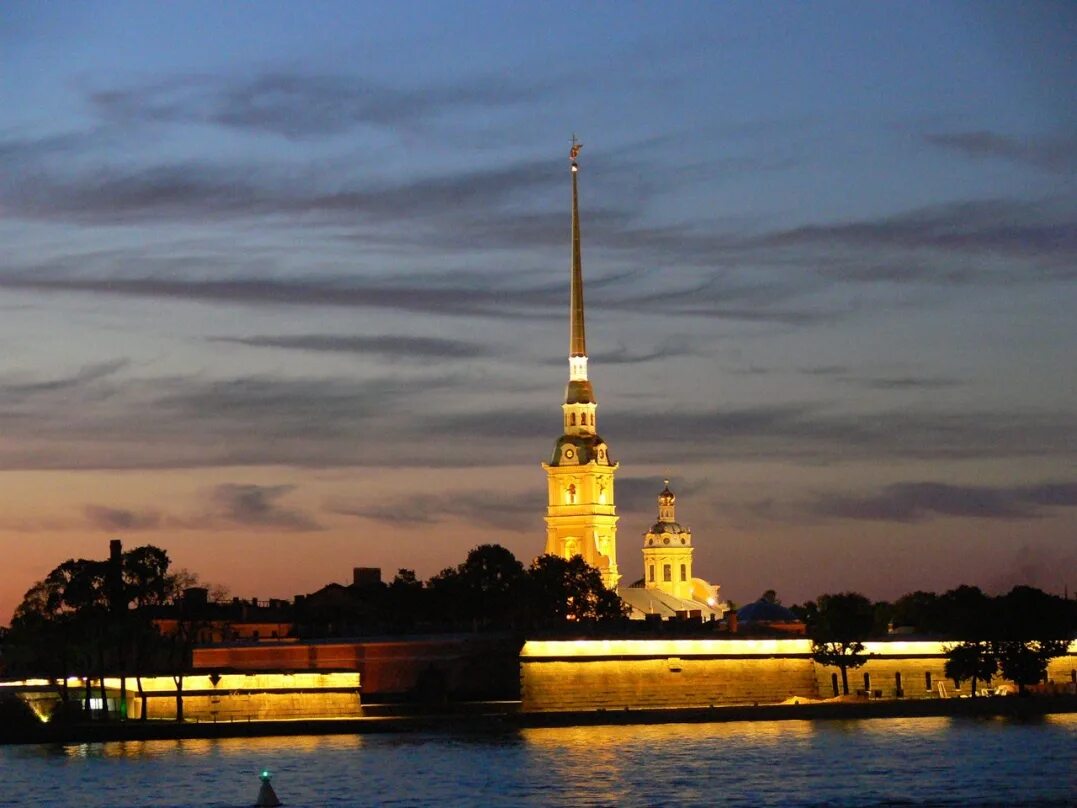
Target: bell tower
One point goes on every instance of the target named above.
(581, 518)
(667, 551)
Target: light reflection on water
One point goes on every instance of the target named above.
(922, 761)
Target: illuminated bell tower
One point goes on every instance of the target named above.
(580, 515)
(667, 551)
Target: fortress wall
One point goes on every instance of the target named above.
(637, 674)
(248, 697)
(663, 683)
(461, 666)
(882, 672)
(241, 706)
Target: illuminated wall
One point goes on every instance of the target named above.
(640, 674)
(248, 697)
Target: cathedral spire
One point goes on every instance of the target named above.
(579, 388)
(581, 518)
(577, 336)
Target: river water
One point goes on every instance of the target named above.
(917, 761)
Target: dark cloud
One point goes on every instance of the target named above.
(520, 512)
(257, 506)
(443, 296)
(298, 105)
(183, 422)
(22, 151)
(118, 519)
(905, 383)
(1030, 230)
(105, 420)
(420, 295)
(1057, 154)
(399, 347)
(640, 494)
(845, 375)
(803, 433)
(391, 212)
(81, 379)
(622, 355)
(916, 501)
(227, 505)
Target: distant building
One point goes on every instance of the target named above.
(226, 621)
(767, 616)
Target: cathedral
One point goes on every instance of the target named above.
(581, 513)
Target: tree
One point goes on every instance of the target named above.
(77, 592)
(406, 599)
(80, 617)
(970, 615)
(1036, 627)
(883, 612)
(967, 613)
(842, 622)
(40, 641)
(806, 611)
(918, 610)
(561, 590)
(1025, 661)
(485, 590)
(972, 659)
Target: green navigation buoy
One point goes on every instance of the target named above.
(267, 797)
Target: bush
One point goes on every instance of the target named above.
(16, 717)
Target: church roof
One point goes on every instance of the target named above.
(579, 391)
(586, 449)
(668, 527)
(655, 601)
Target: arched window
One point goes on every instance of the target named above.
(650, 573)
(684, 572)
(572, 419)
(592, 419)
(570, 493)
(667, 572)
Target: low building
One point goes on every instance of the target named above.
(227, 621)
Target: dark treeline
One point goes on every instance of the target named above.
(131, 616)
(90, 618)
(1015, 635)
(490, 590)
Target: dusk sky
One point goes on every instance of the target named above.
(284, 286)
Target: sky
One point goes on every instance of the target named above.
(284, 287)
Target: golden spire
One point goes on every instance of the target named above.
(577, 338)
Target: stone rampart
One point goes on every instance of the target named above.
(249, 697)
(667, 674)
